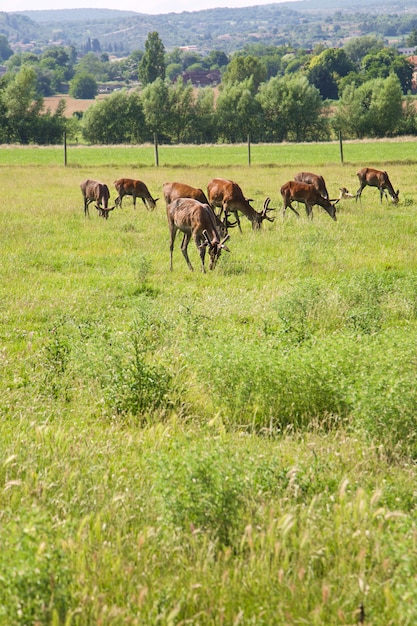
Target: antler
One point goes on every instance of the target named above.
(266, 210)
(228, 224)
(207, 238)
(223, 242)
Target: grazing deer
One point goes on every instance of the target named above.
(94, 191)
(173, 191)
(196, 220)
(136, 189)
(308, 195)
(315, 180)
(227, 195)
(376, 178)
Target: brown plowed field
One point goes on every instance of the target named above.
(73, 104)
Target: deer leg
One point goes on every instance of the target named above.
(173, 230)
(235, 213)
(292, 208)
(145, 203)
(309, 211)
(184, 246)
(86, 209)
(201, 247)
(359, 193)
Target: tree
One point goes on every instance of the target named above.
(156, 107)
(383, 63)
(5, 50)
(327, 68)
(92, 64)
(117, 119)
(325, 82)
(242, 67)
(152, 65)
(84, 86)
(373, 109)
(292, 109)
(181, 103)
(359, 47)
(238, 111)
(204, 122)
(216, 59)
(21, 106)
(411, 40)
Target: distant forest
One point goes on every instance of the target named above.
(305, 23)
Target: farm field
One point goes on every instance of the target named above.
(235, 447)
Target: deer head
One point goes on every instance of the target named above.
(215, 249)
(104, 212)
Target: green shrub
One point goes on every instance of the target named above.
(35, 574)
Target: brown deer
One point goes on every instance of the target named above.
(308, 195)
(227, 195)
(370, 177)
(94, 191)
(136, 189)
(313, 179)
(197, 220)
(173, 191)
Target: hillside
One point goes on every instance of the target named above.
(304, 23)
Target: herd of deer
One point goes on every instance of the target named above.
(192, 212)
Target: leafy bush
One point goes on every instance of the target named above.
(203, 487)
(34, 575)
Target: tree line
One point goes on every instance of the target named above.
(271, 93)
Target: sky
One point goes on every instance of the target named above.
(152, 7)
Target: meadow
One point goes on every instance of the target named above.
(235, 447)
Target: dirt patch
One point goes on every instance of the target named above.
(72, 104)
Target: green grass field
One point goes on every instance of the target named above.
(235, 447)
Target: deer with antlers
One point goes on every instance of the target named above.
(368, 176)
(94, 191)
(136, 189)
(197, 220)
(227, 195)
(308, 195)
(173, 191)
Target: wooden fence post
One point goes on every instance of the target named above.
(249, 159)
(341, 146)
(65, 149)
(155, 143)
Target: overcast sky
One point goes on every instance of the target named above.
(140, 6)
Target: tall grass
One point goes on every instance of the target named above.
(221, 448)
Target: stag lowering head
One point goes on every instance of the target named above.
(94, 191)
(227, 195)
(196, 220)
(371, 177)
(307, 194)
